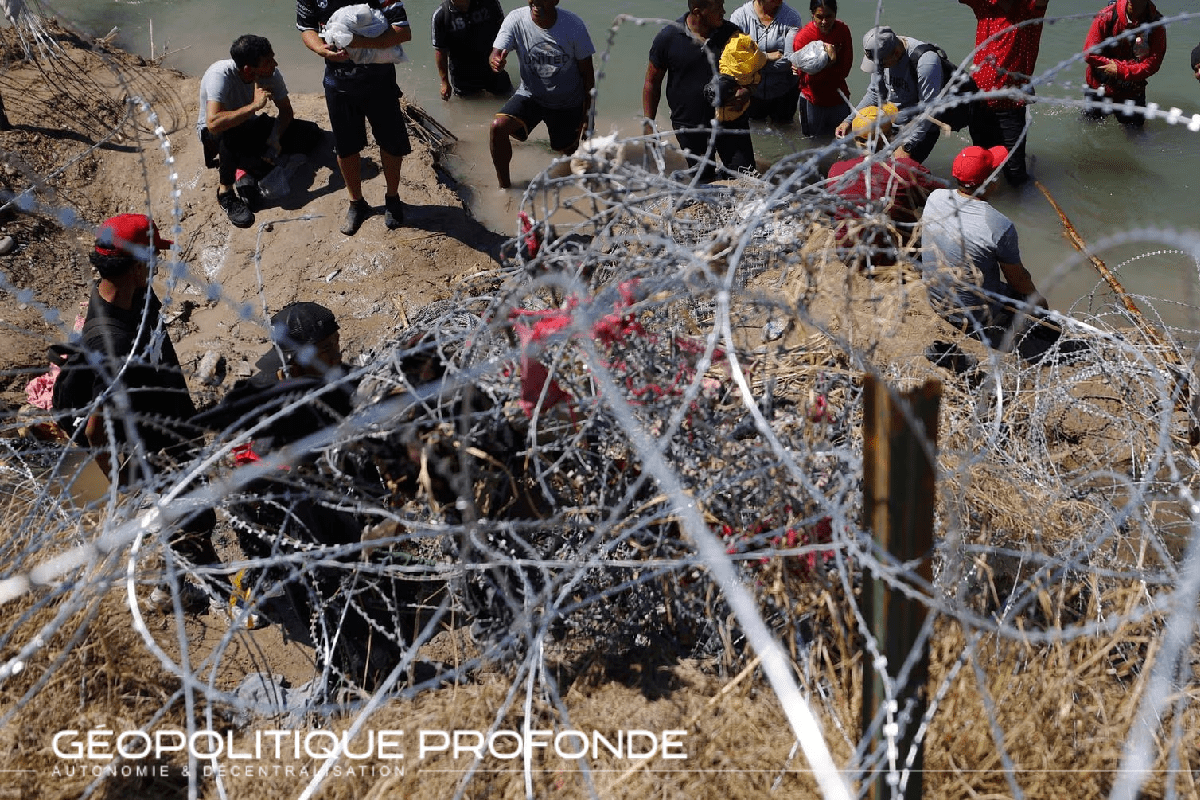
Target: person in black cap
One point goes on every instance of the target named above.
(1195, 62)
(305, 358)
(299, 389)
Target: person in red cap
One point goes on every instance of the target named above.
(1121, 56)
(132, 406)
(971, 259)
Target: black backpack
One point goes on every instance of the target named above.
(76, 379)
(959, 116)
(948, 66)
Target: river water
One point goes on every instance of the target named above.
(1109, 183)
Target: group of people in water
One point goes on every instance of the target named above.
(763, 62)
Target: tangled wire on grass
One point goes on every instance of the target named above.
(641, 436)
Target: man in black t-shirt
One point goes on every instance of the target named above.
(463, 32)
(144, 403)
(686, 54)
(142, 422)
(356, 94)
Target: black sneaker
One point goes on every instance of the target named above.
(394, 212)
(251, 195)
(236, 209)
(356, 215)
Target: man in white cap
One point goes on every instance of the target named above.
(910, 74)
(971, 259)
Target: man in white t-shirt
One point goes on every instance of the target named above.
(557, 78)
(235, 135)
(971, 260)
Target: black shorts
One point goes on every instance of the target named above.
(372, 101)
(564, 124)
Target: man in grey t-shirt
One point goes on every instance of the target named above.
(235, 135)
(909, 74)
(971, 258)
(557, 78)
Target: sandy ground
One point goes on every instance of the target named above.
(226, 280)
(231, 279)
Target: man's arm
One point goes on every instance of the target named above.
(313, 41)
(286, 115)
(929, 86)
(220, 119)
(443, 68)
(588, 73)
(1019, 279)
(929, 76)
(441, 58)
(396, 34)
(97, 440)
(871, 98)
(1099, 31)
(497, 59)
(651, 94)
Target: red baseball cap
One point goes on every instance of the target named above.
(974, 164)
(125, 233)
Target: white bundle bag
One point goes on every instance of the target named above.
(812, 58)
(361, 20)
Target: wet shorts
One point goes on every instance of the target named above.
(377, 102)
(564, 124)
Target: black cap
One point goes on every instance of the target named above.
(294, 326)
(1195, 57)
(298, 324)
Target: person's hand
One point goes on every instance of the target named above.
(330, 54)
(262, 96)
(741, 99)
(445, 89)
(841, 130)
(774, 55)
(1110, 70)
(648, 127)
(831, 50)
(497, 60)
(902, 152)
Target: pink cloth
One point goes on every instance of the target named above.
(40, 391)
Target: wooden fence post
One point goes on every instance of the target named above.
(898, 505)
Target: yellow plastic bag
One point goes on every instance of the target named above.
(743, 61)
